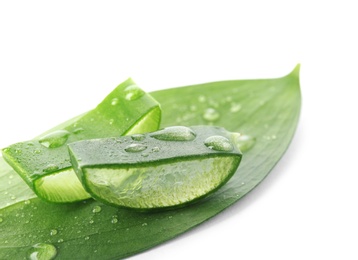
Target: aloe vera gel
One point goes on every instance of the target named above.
(168, 168)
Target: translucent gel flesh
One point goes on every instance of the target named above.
(162, 185)
(149, 119)
(63, 186)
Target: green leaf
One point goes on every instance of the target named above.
(267, 110)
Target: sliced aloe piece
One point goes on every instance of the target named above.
(44, 163)
(167, 168)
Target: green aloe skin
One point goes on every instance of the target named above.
(265, 111)
(44, 162)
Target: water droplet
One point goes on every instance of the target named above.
(50, 168)
(111, 121)
(244, 142)
(144, 224)
(1, 220)
(96, 209)
(18, 151)
(155, 149)
(60, 240)
(235, 107)
(114, 101)
(174, 133)
(133, 92)
(13, 197)
(145, 154)
(134, 148)
(218, 143)
(27, 202)
(214, 103)
(91, 221)
(211, 114)
(78, 130)
(42, 251)
(114, 220)
(201, 99)
(87, 237)
(138, 137)
(193, 108)
(228, 99)
(53, 232)
(55, 139)
(37, 151)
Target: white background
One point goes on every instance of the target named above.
(61, 58)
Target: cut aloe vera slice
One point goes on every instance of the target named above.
(44, 163)
(163, 169)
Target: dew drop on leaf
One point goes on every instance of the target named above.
(78, 130)
(133, 92)
(138, 137)
(135, 148)
(53, 232)
(201, 99)
(218, 143)
(211, 115)
(114, 101)
(193, 108)
(42, 251)
(235, 107)
(155, 149)
(244, 142)
(55, 139)
(96, 209)
(174, 133)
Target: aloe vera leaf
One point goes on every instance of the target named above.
(44, 163)
(12, 187)
(165, 169)
(267, 110)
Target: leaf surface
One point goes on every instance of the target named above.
(267, 110)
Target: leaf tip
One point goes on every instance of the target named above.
(296, 71)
